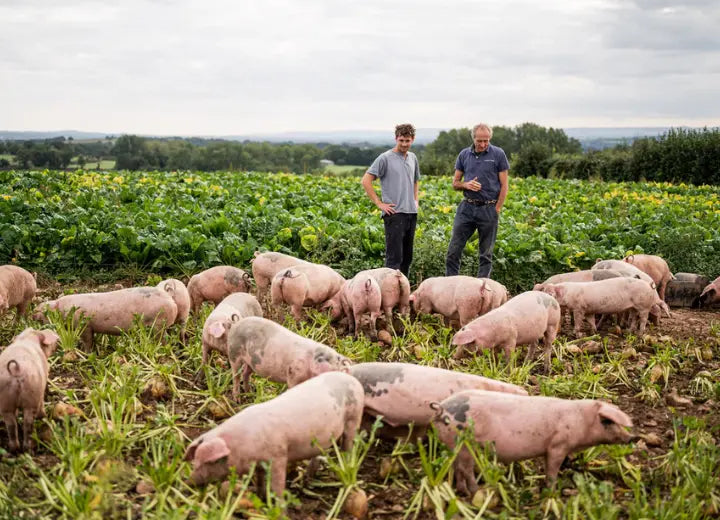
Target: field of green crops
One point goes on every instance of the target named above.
(120, 418)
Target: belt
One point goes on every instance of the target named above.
(478, 202)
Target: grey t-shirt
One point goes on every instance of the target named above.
(398, 176)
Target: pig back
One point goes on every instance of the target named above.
(16, 284)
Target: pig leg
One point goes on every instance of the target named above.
(553, 460)
(28, 425)
(465, 474)
(352, 424)
(508, 348)
(531, 352)
(642, 321)
(12, 429)
(591, 321)
(296, 311)
(373, 325)
(579, 317)
(278, 474)
(247, 372)
(388, 317)
(548, 339)
(357, 316)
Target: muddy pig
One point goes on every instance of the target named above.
(216, 283)
(232, 309)
(272, 351)
(523, 320)
(180, 295)
(266, 265)
(612, 296)
(305, 285)
(629, 270)
(401, 392)
(23, 378)
(113, 312)
(655, 267)
(293, 426)
(17, 289)
(710, 295)
(523, 427)
(458, 297)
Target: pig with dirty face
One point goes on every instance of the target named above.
(261, 346)
(294, 426)
(525, 427)
(216, 283)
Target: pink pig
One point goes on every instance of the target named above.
(358, 296)
(266, 265)
(458, 297)
(232, 309)
(612, 296)
(401, 392)
(629, 270)
(17, 289)
(23, 378)
(113, 312)
(525, 427)
(216, 283)
(589, 275)
(270, 350)
(524, 319)
(395, 290)
(180, 295)
(305, 285)
(710, 295)
(655, 267)
(296, 425)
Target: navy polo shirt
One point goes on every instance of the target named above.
(485, 166)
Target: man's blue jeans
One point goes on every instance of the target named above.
(469, 218)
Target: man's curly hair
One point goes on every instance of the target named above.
(405, 130)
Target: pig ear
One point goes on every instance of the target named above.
(217, 330)
(211, 451)
(613, 413)
(48, 338)
(629, 259)
(190, 451)
(463, 337)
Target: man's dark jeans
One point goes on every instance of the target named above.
(469, 218)
(399, 239)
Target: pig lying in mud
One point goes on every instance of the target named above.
(23, 378)
(522, 427)
(113, 312)
(523, 320)
(305, 285)
(272, 351)
(293, 426)
(401, 392)
(461, 298)
(216, 283)
(17, 289)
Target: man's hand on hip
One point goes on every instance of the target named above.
(387, 208)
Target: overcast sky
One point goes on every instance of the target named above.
(238, 66)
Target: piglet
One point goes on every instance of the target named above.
(272, 351)
(232, 309)
(113, 312)
(216, 283)
(655, 267)
(458, 297)
(266, 265)
(524, 427)
(522, 320)
(305, 285)
(401, 392)
(710, 295)
(17, 289)
(23, 378)
(294, 426)
(181, 296)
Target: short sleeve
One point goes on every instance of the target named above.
(417, 170)
(503, 162)
(378, 167)
(459, 163)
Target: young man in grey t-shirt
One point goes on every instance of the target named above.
(399, 176)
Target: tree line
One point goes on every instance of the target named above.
(690, 156)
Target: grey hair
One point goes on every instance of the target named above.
(484, 126)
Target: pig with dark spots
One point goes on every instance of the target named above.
(627, 269)
(522, 320)
(612, 296)
(23, 378)
(17, 289)
(216, 283)
(401, 392)
(232, 309)
(113, 312)
(305, 285)
(655, 267)
(523, 427)
(270, 350)
(358, 297)
(461, 298)
(180, 295)
(294, 426)
(589, 275)
(266, 265)
(710, 295)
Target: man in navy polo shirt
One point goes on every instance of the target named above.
(399, 175)
(481, 172)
